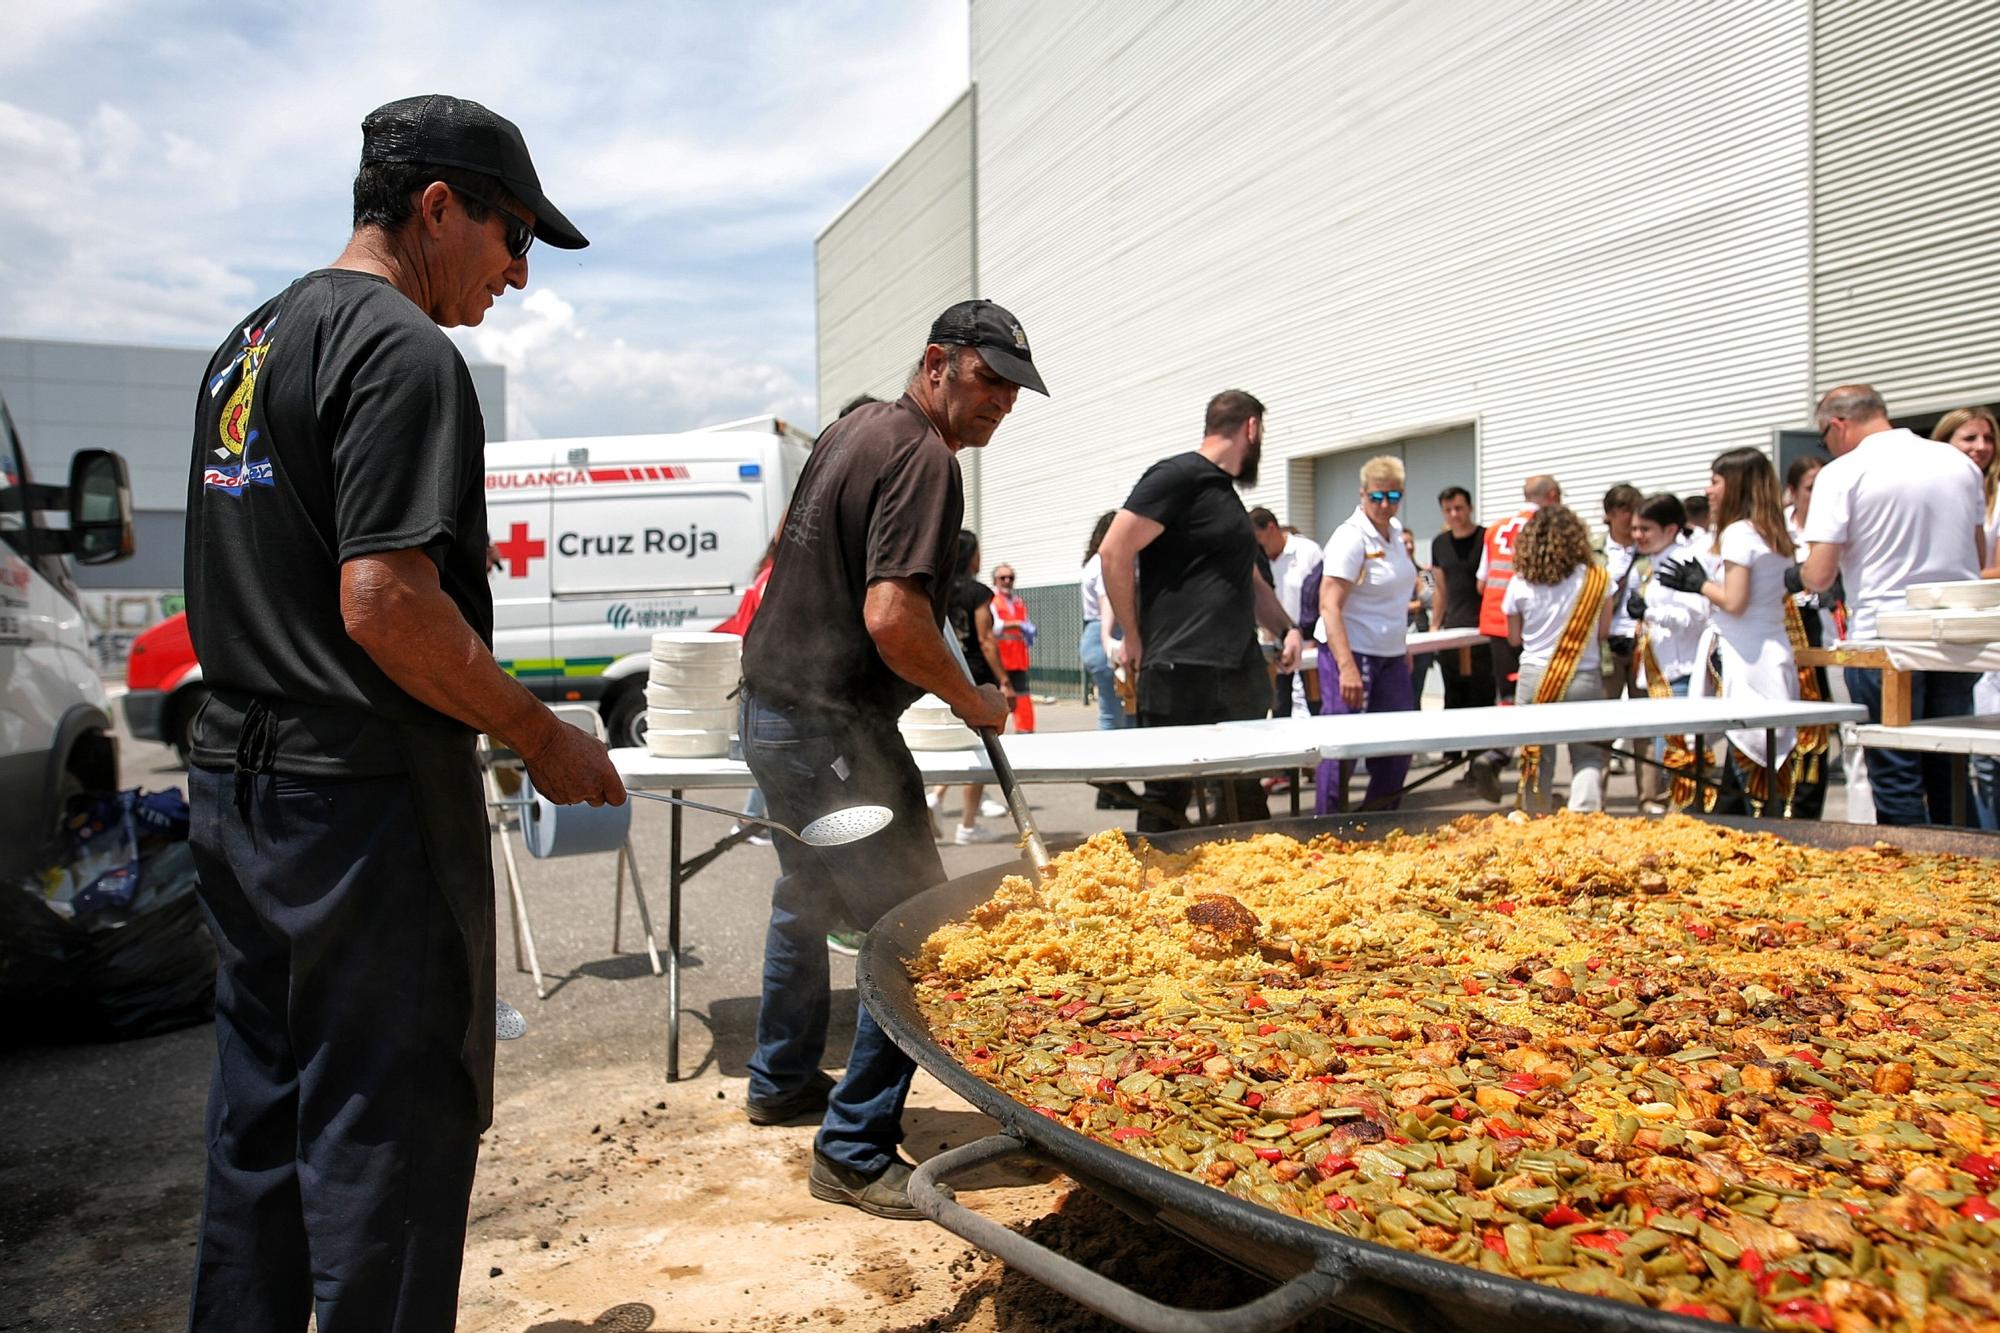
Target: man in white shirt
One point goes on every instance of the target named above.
(1890, 510)
(1292, 557)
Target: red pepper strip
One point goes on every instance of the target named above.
(956, 995)
(1106, 1084)
(1562, 1215)
(1980, 1167)
(1304, 1122)
(1522, 1084)
(1266, 1029)
(1496, 1129)
(1166, 1064)
(1752, 1263)
(1813, 1312)
(1607, 1241)
(1807, 1057)
(1043, 1110)
(1818, 1120)
(1255, 1002)
(1122, 1035)
(1270, 1154)
(1492, 1241)
(1321, 1078)
(1329, 1167)
(1979, 1210)
(1073, 1008)
(1075, 1048)
(1125, 1132)
(1253, 1100)
(981, 1053)
(1053, 995)
(1593, 963)
(1472, 986)
(1854, 1209)
(1504, 909)
(1651, 1213)
(1460, 1113)
(1337, 1203)
(1701, 932)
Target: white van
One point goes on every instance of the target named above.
(55, 721)
(602, 542)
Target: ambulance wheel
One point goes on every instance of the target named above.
(625, 715)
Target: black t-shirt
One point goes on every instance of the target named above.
(336, 421)
(880, 498)
(1457, 558)
(1197, 598)
(967, 596)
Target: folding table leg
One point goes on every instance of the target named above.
(618, 896)
(627, 857)
(674, 942)
(1959, 765)
(523, 932)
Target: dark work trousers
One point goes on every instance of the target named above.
(1173, 695)
(1506, 660)
(1467, 689)
(808, 763)
(1911, 787)
(353, 1027)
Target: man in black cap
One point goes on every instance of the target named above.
(849, 635)
(336, 543)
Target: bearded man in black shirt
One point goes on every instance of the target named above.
(1191, 624)
(850, 634)
(336, 545)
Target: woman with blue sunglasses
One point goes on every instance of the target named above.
(1364, 597)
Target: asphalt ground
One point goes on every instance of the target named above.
(101, 1164)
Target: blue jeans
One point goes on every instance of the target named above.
(1111, 714)
(1986, 792)
(1912, 788)
(807, 764)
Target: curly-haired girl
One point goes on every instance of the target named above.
(1561, 639)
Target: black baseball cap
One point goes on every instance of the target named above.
(452, 132)
(998, 337)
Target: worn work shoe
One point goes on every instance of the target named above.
(885, 1195)
(1486, 778)
(809, 1098)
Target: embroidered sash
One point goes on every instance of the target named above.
(1576, 636)
(1680, 754)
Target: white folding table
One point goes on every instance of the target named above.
(1957, 737)
(1055, 756)
(1364, 735)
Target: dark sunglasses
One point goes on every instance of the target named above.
(1388, 497)
(519, 234)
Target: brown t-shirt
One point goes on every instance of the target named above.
(880, 498)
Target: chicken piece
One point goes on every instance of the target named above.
(1417, 1087)
(1820, 1224)
(1439, 1054)
(1894, 1077)
(1914, 1212)
(1217, 1066)
(1491, 1097)
(1220, 1171)
(1295, 1099)
(1689, 1175)
(1223, 917)
(1760, 1077)
(1772, 1244)
(1379, 1025)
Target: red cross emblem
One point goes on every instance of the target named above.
(517, 551)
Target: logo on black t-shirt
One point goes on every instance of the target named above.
(236, 468)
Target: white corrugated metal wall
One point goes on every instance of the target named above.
(1583, 227)
(897, 255)
(1906, 225)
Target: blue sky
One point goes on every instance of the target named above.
(167, 165)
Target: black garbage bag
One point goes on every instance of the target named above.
(108, 975)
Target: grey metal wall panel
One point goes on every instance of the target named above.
(1906, 106)
(898, 254)
(1584, 227)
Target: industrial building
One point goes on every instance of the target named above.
(139, 401)
(1604, 240)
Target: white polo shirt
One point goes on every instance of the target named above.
(1289, 569)
(1377, 613)
(1904, 509)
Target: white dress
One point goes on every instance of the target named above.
(1755, 649)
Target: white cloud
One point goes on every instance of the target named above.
(170, 164)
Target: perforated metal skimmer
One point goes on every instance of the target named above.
(830, 830)
(508, 1025)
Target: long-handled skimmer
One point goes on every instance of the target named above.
(1003, 773)
(834, 829)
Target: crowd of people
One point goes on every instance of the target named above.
(1709, 595)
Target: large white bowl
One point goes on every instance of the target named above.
(928, 736)
(1980, 593)
(678, 695)
(692, 719)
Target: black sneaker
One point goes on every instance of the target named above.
(808, 1098)
(884, 1195)
(1486, 778)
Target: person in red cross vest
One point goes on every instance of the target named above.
(1016, 635)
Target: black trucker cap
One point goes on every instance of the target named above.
(453, 132)
(998, 337)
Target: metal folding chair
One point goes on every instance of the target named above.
(504, 808)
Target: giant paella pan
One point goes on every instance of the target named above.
(1572, 1073)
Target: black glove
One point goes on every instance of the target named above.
(1682, 575)
(1795, 580)
(1635, 605)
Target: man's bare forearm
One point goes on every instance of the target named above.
(394, 608)
(898, 616)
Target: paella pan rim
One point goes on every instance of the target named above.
(1278, 1246)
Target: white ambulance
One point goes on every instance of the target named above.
(55, 721)
(602, 542)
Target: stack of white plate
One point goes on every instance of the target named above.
(689, 714)
(929, 724)
(1979, 593)
(1949, 624)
